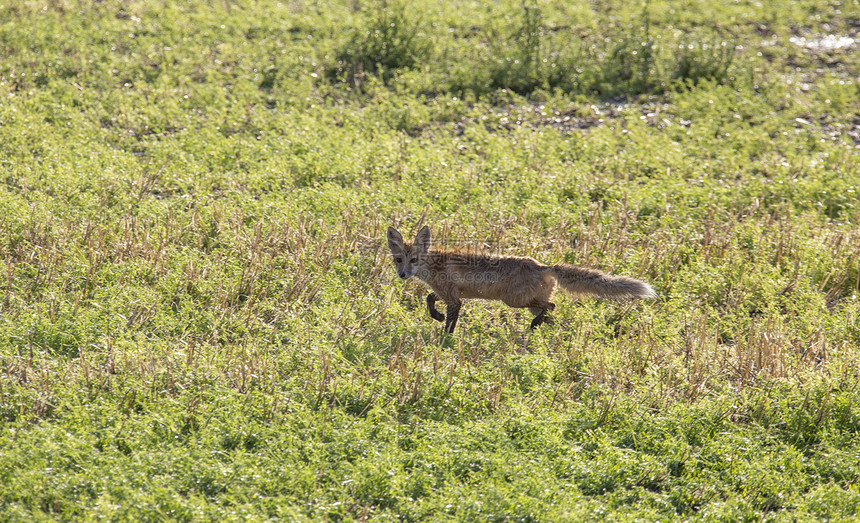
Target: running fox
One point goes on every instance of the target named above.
(517, 281)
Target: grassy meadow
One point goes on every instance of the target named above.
(199, 319)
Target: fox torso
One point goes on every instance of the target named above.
(457, 275)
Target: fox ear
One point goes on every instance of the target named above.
(422, 239)
(395, 240)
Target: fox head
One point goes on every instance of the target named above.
(407, 256)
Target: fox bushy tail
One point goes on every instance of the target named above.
(579, 280)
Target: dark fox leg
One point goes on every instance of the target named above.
(540, 310)
(431, 307)
(451, 315)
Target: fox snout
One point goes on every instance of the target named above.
(405, 270)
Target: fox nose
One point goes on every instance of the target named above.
(402, 275)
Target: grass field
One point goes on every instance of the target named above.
(200, 320)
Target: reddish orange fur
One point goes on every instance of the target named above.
(455, 275)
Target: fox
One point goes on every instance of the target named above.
(517, 281)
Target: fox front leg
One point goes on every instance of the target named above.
(452, 312)
(431, 307)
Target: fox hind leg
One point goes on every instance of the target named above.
(431, 307)
(540, 310)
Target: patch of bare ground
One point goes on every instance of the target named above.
(830, 129)
(568, 120)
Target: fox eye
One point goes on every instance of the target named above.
(413, 260)
(398, 260)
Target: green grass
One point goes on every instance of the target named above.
(199, 319)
